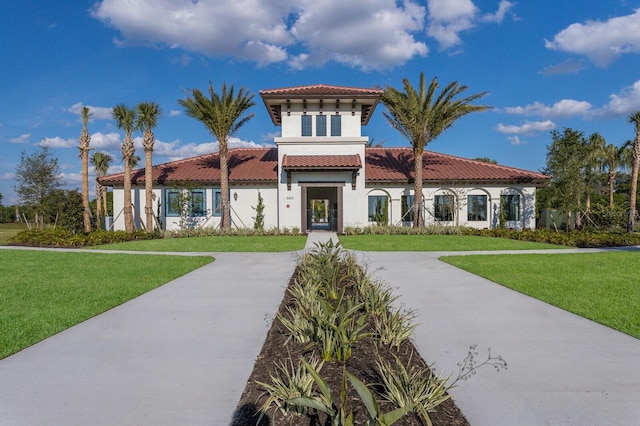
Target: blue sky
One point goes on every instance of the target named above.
(546, 65)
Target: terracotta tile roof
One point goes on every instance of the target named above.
(395, 165)
(245, 165)
(320, 90)
(382, 165)
(321, 162)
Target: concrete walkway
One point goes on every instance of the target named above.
(562, 369)
(181, 354)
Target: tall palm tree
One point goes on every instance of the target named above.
(101, 162)
(222, 114)
(84, 141)
(125, 119)
(612, 158)
(148, 113)
(421, 116)
(634, 118)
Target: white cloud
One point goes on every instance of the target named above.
(24, 138)
(58, 142)
(600, 41)
(529, 127)
(561, 109)
(7, 176)
(504, 7)
(97, 113)
(627, 101)
(449, 18)
(570, 66)
(375, 34)
(515, 140)
(174, 113)
(105, 141)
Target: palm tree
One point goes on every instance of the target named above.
(125, 120)
(84, 141)
(613, 158)
(148, 113)
(222, 115)
(101, 162)
(421, 116)
(634, 118)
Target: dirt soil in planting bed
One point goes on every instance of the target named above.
(362, 364)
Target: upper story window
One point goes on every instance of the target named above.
(306, 125)
(336, 125)
(321, 125)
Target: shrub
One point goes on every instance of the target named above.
(62, 237)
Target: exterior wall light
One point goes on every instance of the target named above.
(235, 196)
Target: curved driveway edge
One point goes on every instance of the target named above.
(563, 369)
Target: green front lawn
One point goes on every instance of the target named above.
(436, 243)
(43, 293)
(8, 230)
(219, 243)
(602, 287)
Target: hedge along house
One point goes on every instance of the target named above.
(322, 175)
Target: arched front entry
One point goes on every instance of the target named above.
(321, 206)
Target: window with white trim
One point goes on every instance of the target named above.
(321, 125)
(407, 208)
(443, 208)
(306, 125)
(379, 209)
(336, 125)
(477, 208)
(511, 206)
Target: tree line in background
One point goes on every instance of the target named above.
(587, 178)
(588, 184)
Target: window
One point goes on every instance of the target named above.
(321, 125)
(443, 207)
(173, 202)
(306, 125)
(379, 209)
(217, 201)
(511, 206)
(197, 203)
(407, 208)
(336, 125)
(477, 208)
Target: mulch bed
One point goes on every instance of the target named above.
(362, 364)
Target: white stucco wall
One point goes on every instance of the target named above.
(460, 193)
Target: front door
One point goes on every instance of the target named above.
(322, 207)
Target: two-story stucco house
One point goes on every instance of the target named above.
(321, 174)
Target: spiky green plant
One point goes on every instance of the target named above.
(288, 382)
(413, 387)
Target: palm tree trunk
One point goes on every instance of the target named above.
(418, 218)
(104, 202)
(128, 216)
(634, 185)
(148, 186)
(86, 214)
(612, 179)
(98, 205)
(224, 187)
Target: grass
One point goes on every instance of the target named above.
(8, 230)
(436, 243)
(43, 293)
(215, 244)
(602, 287)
